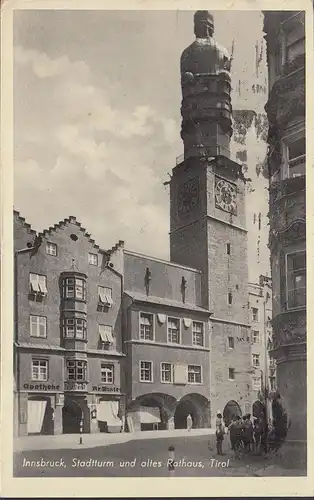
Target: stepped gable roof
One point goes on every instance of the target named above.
(27, 226)
(70, 220)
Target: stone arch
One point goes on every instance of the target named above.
(164, 402)
(74, 411)
(258, 409)
(195, 405)
(231, 409)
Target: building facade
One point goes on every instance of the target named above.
(207, 215)
(68, 332)
(285, 37)
(264, 365)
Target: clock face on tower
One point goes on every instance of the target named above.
(226, 196)
(188, 196)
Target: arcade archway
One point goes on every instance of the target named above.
(195, 405)
(232, 409)
(72, 414)
(150, 412)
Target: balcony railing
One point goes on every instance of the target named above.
(76, 386)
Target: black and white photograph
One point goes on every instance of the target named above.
(159, 243)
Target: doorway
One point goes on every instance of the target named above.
(72, 415)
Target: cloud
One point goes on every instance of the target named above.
(94, 160)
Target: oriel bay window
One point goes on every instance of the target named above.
(74, 288)
(74, 328)
(146, 326)
(173, 331)
(296, 279)
(76, 370)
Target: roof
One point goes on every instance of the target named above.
(162, 261)
(150, 299)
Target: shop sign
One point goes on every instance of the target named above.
(41, 387)
(103, 388)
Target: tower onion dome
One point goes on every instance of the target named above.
(204, 55)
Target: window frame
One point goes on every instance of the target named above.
(258, 337)
(163, 371)
(108, 342)
(255, 320)
(37, 326)
(259, 388)
(76, 368)
(90, 255)
(202, 333)
(39, 360)
(231, 371)
(66, 324)
(286, 142)
(52, 245)
(169, 318)
(259, 360)
(151, 371)
(152, 326)
(229, 346)
(286, 280)
(103, 367)
(188, 373)
(66, 285)
(108, 296)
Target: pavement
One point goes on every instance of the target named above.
(136, 454)
(72, 441)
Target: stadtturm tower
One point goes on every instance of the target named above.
(207, 215)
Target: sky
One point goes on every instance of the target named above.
(97, 115)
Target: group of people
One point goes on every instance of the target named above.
(245, 435)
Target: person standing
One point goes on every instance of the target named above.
(189, 422)
(220, 431)
(232, 431)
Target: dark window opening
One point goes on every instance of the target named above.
(228, 248)
(230, 298)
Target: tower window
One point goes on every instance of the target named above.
(231, 342)
(229, 298)
(228, 248)
(231, 374)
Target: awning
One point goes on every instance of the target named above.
(42, 284)
(105, 333)
(107, 411)
(35, 416)
(34, 282)
(104, 297)
(145, 321)
(147, 415)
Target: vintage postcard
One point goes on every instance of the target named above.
(155, 160)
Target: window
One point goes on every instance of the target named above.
(228, 248)
(105, 296)
(166, 372)
(146, 371)
(272, 383)
(38, 326)
(255, 337)
(74, 288)
(74, 328)
(254, 314)
(146, 326)
(198, 333)
(231, 375)
(38, 284)
(229, 298)
(296, 158)
(76, 370)
(295, 41)
(257, 384)
(107, 373)
(231, 342)
(51, 248)
(106, 335)
(40, 370)
(173, 331)
(194, 374)
(93, 259)
(255, 360)
(296, 279)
